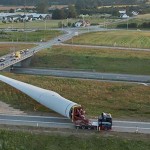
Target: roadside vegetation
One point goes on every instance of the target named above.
(37, 141)
(9, 48)
(32, 25)
(139, 22)
(33, 36)
(124, 38)
(120, 99)
(90, 59)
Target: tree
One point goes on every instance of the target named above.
(42, 6)
(58, 14)
(71, 12)
(11, 10)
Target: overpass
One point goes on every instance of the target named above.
(9, 62)
(25, 58)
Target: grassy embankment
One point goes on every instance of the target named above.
(9, 48)
(10, 140)
(122, 38)
(122, 100)
(100, 60)
(139, 19)
(35, 36)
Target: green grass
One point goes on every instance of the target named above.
(120, 99)
(11, 47)
(121, 38)
(35, 36)
(10, 140)
(32, 25)
(100, 60)
(48, 24)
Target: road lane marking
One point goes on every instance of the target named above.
(130, 127)
(134, 122)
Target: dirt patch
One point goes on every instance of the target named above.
(6, 109)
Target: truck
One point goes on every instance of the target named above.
(61, 105)
(104, 121)
(17, 54)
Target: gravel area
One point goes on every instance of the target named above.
(6, 109)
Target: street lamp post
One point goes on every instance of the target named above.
(45, 27)
(127, 24)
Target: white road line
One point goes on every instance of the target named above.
(132, 122)
(130, 127)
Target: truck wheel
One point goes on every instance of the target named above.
(77, 127)
(89, 128)
(83, 127)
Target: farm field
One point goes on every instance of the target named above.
(9, 48)
(48, 24)
(32, 25)
(120, 99)
(34, 36)
(121, 38)
(37, 141)
(100, 60)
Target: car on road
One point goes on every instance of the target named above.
(59, 39)
(13, 59)
(22, 51)
(2, 64)
(2, 59)
(26, 51)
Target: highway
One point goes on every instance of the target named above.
(68, 34)
(9, 61)
(108, 47)
(85, 75)
(61, 122)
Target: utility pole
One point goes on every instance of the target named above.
(127, 24)
(45, 27)
(25, 20)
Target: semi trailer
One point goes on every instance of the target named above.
(61, 105)
(103, 122)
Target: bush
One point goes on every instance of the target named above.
(145, 25)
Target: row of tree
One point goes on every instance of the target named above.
(89, 3)
(134, 25)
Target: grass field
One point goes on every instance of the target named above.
(100, 60)
(35, 36)
(11, 140)
(122, 38)
(122, 100)
(32, 25)
(9, 48)
(48, 24)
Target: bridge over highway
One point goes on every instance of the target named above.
(69, 33)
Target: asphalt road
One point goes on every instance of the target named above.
(86, 75)
(68, 34)
(61, 122)
(108, 47)
(9, 61)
